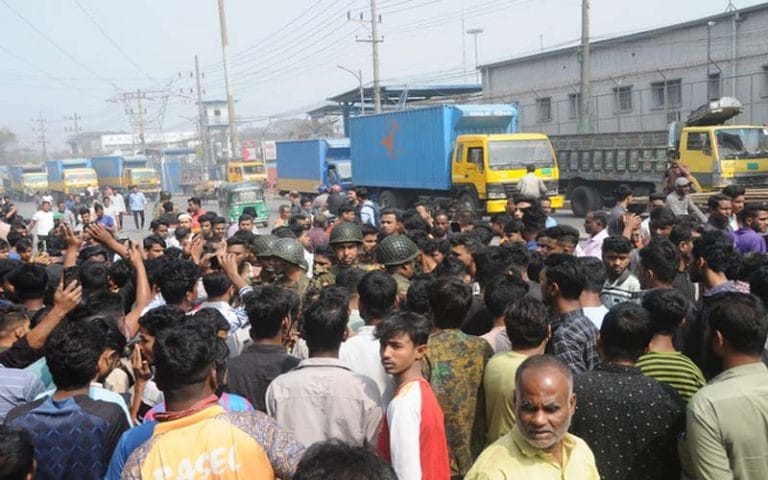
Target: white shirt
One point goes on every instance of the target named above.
(43, 222)
(118, 202)
(361, 354)
(595, 314)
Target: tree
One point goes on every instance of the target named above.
(7, 141)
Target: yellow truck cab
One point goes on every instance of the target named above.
(246, 172)
(726, 154)
(146, 179)
(78, 180)
(493, 164)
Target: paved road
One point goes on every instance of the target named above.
(27, 209)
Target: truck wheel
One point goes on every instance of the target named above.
(469, 201)
(388, 199)
(584, 200)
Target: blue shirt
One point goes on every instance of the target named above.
(107, 221)
(137, 201)
(74, 438)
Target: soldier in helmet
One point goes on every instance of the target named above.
(398, 255)
(159, 210)
(345, 240)
(262, 250)
(290, 265)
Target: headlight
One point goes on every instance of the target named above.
(496, 191)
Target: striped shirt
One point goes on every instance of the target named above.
(626, 288)
(674, 369)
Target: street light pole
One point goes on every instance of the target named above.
(475, 32)
(709, 58)
(359, 76)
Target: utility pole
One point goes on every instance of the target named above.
(234, 141)
(375, 41)
(202, 124)
(475, 32)
(75, 128)
(585, 124)
(140, 99)
(463, 43)
(40, 129)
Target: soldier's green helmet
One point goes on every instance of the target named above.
(262, 246)
(396, 250)
(165, 195)
(290, 250)
(346, 232)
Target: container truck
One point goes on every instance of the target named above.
(126, 171)
(73, 175)
(26, 180)
(180, 171)
(593, 165)
(469, 153)
(303, 165)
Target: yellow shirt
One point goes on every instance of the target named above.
(512, 457)
(499, 387)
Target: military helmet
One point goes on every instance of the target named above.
(346, 232)
(290, 250)
(165, 195)
(396, 250)
(262, 246)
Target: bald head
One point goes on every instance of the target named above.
(544, 401)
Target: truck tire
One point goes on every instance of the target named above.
(584, 200)
(388, 199)
(469, 201)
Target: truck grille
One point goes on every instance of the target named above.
(511, 188)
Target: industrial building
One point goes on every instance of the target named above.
(642, 81)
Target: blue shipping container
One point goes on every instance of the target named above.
(302, 164)
(412, 148)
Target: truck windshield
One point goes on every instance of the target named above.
(253, 169)
(737, 143)
(35, 177)
(517, 154)
(80, 177)
(343, 171)
(143, 174)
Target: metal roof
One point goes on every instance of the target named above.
(699, 22)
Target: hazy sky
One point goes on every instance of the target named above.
(58, 57)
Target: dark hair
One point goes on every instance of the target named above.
(662, 217)
(10, 316)
(667, 308)
(120, 272)
(104, 303)
(154, 224)
(17, 453)
(741, 319)
(13, 238)
(681, 232)
(657, 196)
(283, 232)
(625, 332)
(24, 245)
(392, 211)
(490, 262)
(534, 219)
(661, 256)
(594, 274)
(212, 317)
(713, 202)
(439, 245)
(378, 293)
(600, 216)
(623, 191)
(29, 281)
(184, 356)
(567, 272)
(91, 251)
(93, 275)
(451, 267)
(758, 283)
(335, 460)
(179, 278)
(349, 279)
(416, 326)
(449, 300)
(503, 290)
(751, 210)
(417, 298)
(466, 239)
(526, 321)
(161, 318)
(195, 200)
(72, 353)
(617, 244)
(180, 232)
(563, 234)
(267, 309)
(483, 233)
(151, 240)
(325, 321)
(368, 229)
(513, 226)
(519, 255)
(216, 284)
(325, 251)
(733, 191)
(501, 219)
(716, 248)
(168, 207)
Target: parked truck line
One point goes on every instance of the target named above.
(303, 165)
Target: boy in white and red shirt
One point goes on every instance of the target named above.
(412, 436)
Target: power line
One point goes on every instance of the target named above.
(114, 44)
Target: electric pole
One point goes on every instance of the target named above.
(39, 127)
(202, 124)
(75, 119)
(585, 124)
(234, 142)
(375, 41)
(475, 32)
(140, 99)
(138, 113)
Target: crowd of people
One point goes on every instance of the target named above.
(360, 342)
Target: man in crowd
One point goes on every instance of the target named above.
(680, 201)
(624, 196)
(137, 202)
(753, 218)
(596, 226)
(621, 285)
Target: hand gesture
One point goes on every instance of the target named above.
(141, 370)
(135, 253)
(99, 233)
(73, 241)
(67, 298)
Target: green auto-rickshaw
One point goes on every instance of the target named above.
(236, 197)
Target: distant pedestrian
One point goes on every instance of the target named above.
(137, 202)
(530, 184)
